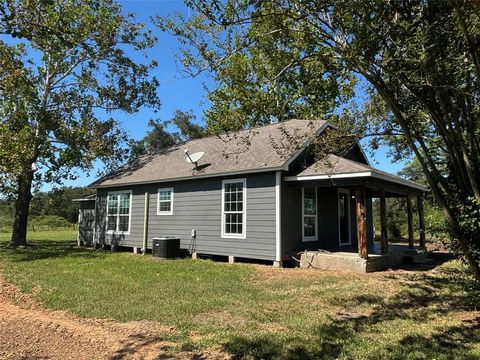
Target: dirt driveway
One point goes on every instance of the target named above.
(31, 332)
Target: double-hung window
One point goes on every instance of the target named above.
(165, 201)
(309, 214)
(119, 205)
(233, 208)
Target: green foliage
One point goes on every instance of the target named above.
(262, 74)
(58, 202)
(417, 60)
(396, 219)
(58, 111)
(68, 71)
(435, 222)
(159, 138)
(189, 130)
(54, 208)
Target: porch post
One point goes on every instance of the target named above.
(383, 223)
(421, 220)
(410, 221)
(361, 223)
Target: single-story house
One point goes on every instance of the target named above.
(256, 194)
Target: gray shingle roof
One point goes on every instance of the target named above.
(335, 165)
(258, 149)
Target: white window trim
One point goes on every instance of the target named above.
(315, 237)
(129, 213)
(171, 202)
(243, 235)
(349, 217)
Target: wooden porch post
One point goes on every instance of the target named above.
(410, 221)
(421, 220)
(361, 223)
(383, 223)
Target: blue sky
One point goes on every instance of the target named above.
(176, 91)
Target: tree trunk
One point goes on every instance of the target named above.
(470, 258)
(22, 209)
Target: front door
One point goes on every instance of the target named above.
(344, 217)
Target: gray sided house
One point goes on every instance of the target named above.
(258, 194)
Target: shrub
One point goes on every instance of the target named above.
(48, 222)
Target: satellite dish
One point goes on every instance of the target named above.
(194, 158)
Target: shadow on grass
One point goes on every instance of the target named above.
(327, 341)
(453, 342)
(436, 259)
(423, 297)
(46, 249)
(338, 338)
(134, 343)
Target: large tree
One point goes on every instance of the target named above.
(159, 137)
(418, 60)
(67, 72)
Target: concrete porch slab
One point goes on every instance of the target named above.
(351, 261)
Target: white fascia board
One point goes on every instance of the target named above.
(399, 180)
(372, 174)
(332, 176)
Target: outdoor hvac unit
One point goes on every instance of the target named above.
(167, 247)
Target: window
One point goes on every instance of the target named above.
(233, 208)
(118, 211)
(165, 202)
(309, 214)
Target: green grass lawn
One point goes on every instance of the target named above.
(255, 311)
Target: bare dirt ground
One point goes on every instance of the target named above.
(31, 332)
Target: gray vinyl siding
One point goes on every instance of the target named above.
(357, 155)
(197, 204)
(291, 224)
(327, 210)
(86, 221)
(292, 221)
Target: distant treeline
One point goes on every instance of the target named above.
(54, 207)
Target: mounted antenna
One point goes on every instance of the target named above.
(194, 158)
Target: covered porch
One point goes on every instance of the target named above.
(357, 185)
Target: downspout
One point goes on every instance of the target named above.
(95, 224)
(78, 224)
(278, 219)
(145, 225)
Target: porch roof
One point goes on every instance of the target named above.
(346, 172)
(91, 197)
